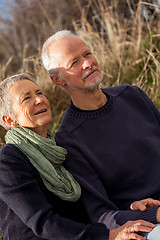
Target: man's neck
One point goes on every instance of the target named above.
(89, 100)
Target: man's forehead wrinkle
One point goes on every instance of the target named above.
(63, 52)
(64, 56)
(55, 56)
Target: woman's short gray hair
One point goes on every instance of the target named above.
(5, 101)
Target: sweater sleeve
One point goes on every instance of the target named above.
(98, 205)
(19, 189)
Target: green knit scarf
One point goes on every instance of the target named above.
(47, 158)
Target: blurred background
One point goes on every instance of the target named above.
(123, 34)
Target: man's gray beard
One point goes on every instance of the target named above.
(88, 89)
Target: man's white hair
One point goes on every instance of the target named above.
(48, 59)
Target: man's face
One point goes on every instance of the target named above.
(78, 67)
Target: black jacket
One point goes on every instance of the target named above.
(29, 211)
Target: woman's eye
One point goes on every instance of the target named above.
(25, 99)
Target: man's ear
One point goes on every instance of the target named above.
(57, 80)
(9, 121)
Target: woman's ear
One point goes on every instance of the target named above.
(9, 121)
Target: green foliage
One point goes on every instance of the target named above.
(158, 105)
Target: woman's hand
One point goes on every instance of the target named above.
(142, 205)
(131, 230)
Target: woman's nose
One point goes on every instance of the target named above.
(38, 100)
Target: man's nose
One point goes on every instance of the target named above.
(87, 63)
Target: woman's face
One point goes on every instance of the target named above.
(30, 108)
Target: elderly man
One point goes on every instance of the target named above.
(112, 135)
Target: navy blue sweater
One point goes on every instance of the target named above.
(114, 153)
(28, 211)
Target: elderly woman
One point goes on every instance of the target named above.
(39, 198)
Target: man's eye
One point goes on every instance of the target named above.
(39, 93)
(88, 53)
(73, 63)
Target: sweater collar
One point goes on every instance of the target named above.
(78, 113)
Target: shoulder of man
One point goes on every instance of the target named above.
(69, 123)
(117, 90)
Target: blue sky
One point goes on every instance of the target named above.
(3, 7)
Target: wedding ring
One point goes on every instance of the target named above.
(133, 229)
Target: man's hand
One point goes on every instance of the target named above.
(142, 205)
(131, 230)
